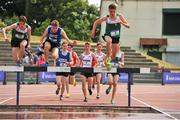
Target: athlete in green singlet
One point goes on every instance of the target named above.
(21, 36)
(112, 32)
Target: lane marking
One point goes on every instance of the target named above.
(148, 105)
(6, 100)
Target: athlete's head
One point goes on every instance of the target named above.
(54, 26)
(87, 46)
(42, 57)
(70, 47)
(112, 10)
(64, 46)
(99, 46)
(22, 21)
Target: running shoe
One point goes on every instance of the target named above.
(57, 91)
(60, 97)
(90, 92)
(67, 95)
(85, 99)
(98, 97)
(108, 90)
(113, 102)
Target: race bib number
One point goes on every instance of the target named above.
(86, 64)
(52, 39)
(19, 36)
(115, 33)
(100, 64)
(63, 64)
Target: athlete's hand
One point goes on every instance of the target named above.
(126, 25)
(103, 65)
(7, 39)
(41, 45)
(29, 46)
(121, 64)
(92, 34)
(74, 42)
(68, 64)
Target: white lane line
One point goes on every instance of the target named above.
(6, 100)
(29, 93)
(165, 113)
(37, 95)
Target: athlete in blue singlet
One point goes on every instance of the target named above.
(64, 60)
(53, 35)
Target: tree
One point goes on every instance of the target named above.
(75, 16)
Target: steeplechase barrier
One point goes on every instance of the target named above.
(21, 69)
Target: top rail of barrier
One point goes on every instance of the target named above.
(71, 69)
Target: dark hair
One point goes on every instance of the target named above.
(99, 44)
(112, 6)
(70, 45)
(87, 43)
(23, 19)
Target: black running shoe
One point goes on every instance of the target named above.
(93, 87)
(90, 92)
(85, 99)
(57, 91)
(98, 97)
(108, 90)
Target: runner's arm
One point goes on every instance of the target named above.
(43, 36)
(71, 61)
(123, 21)
(97, 22)
(77, 58)
(63, 33)
(95, 60)
(80, 61)
(7, 29)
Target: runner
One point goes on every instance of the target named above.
(53, 40)
(71, 79)
(100, 56)
(75, 60)
(86, 60)
(112, 32)
(113, 78)
(21, 37)
(64, 60)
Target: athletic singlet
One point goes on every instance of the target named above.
(74, 58)
(87, 60)
(19, 34)
(113, 27)
(63, 58)
(100, 58)
(54, 37)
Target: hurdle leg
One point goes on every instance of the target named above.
(4, 81)
(17, 91)
(162, 81)
(130, 77)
